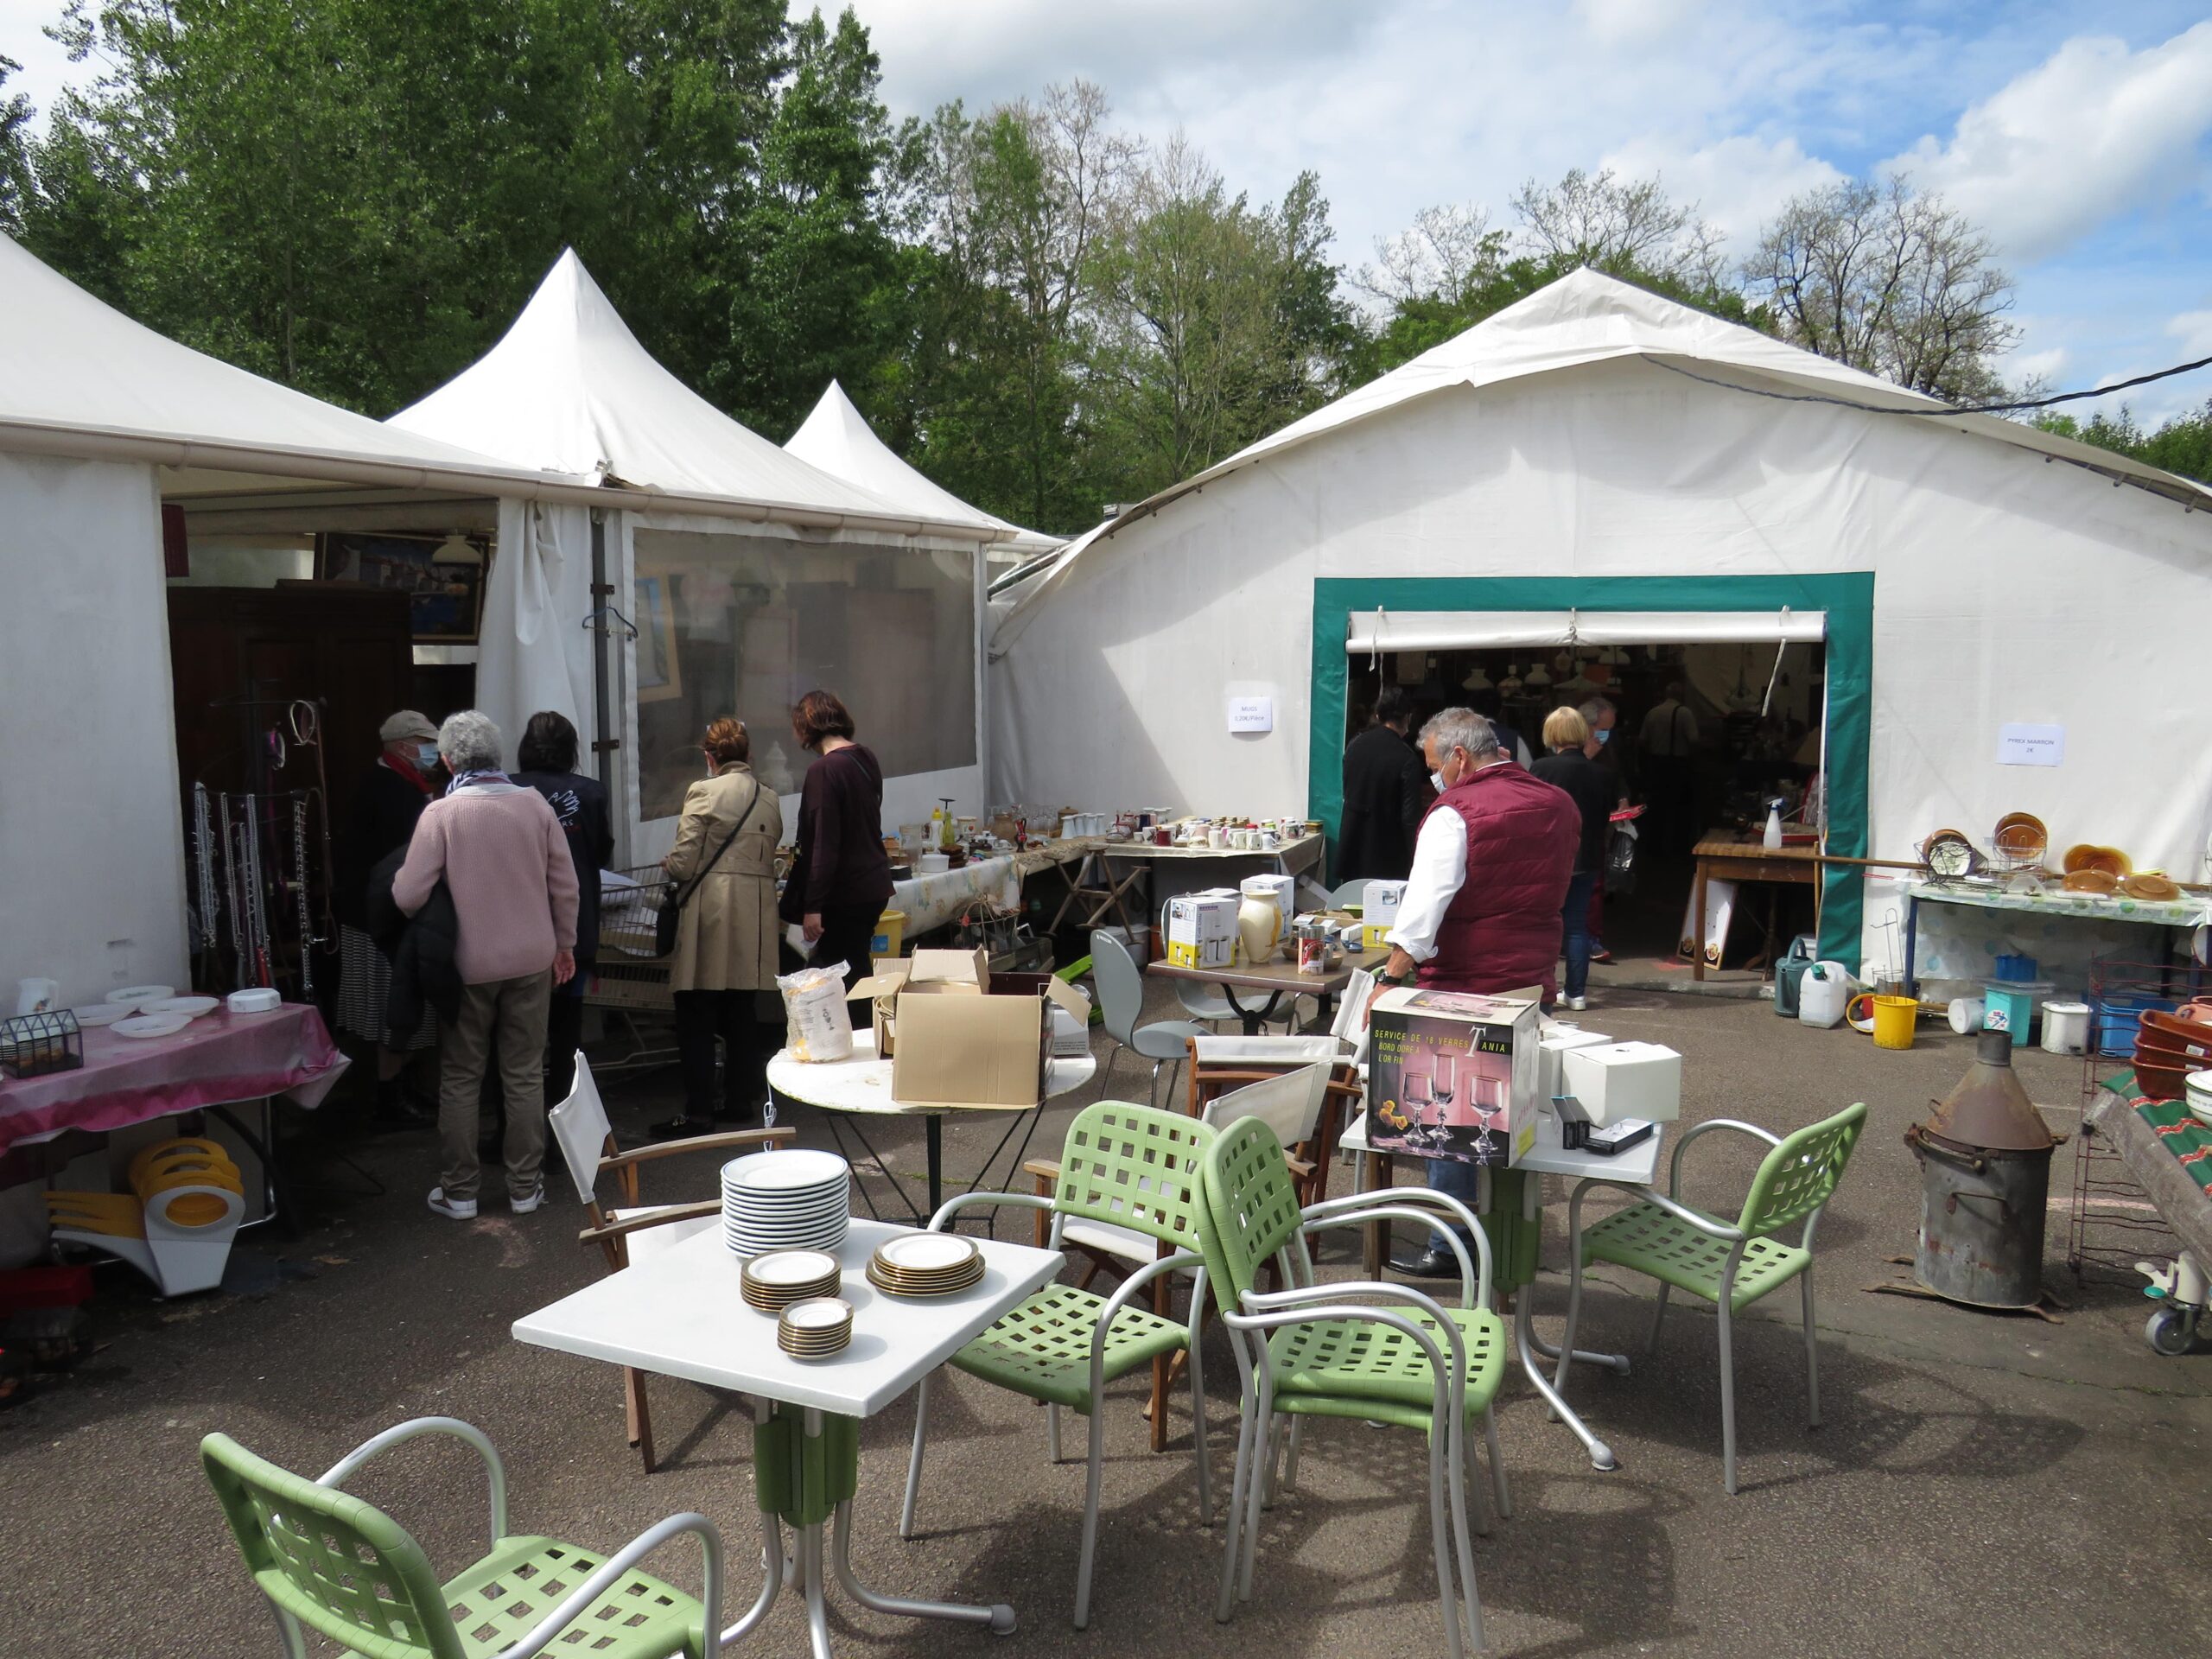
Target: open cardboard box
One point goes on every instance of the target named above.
(958, 1038)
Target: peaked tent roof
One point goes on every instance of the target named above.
(568, 387)
(1588, 317)
(77, 378)
(837, 438)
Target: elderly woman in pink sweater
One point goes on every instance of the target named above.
(501, 853)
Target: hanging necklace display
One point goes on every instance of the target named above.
(300, 895)
(203, 856)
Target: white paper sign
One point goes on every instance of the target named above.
(1251, 714)
(2031, 745)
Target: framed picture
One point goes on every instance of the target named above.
(660, 676)
(445, 597)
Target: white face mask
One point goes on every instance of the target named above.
(1437, 779)
(426, 755)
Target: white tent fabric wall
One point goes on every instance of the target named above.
(535, 651)
(2007, 589)
(89, 833)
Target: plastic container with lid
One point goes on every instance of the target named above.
(2012, 1005)
(1822, 993)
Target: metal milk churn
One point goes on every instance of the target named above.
(1985, 1174)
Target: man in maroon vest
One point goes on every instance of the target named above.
(1491, 864)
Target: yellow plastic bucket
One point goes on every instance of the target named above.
(1893, 1021)
(890, 934)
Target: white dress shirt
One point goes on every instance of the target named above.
(1440, 871)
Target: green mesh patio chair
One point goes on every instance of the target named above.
(1376, 1352)
(1135, 1167)
(1731, 1265)
(330, 1562)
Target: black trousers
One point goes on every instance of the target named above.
(848, 935)
(701, 1016)
(564, 1030)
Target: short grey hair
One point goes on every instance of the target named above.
(1596, 709)
(1461, 729)
(468, 741)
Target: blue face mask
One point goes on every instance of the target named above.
(1604, 736)
(426, 755)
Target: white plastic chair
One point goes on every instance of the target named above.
(632, 1229)
(1120, 1000)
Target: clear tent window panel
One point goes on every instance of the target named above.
(746, 624)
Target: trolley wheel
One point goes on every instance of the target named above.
(2171, 1331)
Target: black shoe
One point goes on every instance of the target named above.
(741, 1118)
(396, 1109)
(680, 1128)
(1435, 1262)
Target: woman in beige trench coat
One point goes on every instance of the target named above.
(725, 941)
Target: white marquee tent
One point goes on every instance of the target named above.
(747, 574)
(837, 438)
(1601, 464)
(101, 419)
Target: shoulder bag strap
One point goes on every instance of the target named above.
(692, 887)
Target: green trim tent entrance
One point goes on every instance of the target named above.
(1597, 456)
(1385, 614)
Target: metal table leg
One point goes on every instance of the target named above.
(1254, 1020)
(806, 1492)
(1525, 1340)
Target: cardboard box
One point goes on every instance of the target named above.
(1378, 910)
(926, 973)
(958, 1037)
(1202, 929)
(1551, 1047)
(1618, 1080)
(1452, 1075)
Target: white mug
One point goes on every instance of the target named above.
(36, 996)
(1217, 836)
(1269, 842)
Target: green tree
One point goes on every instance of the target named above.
(2182, 445)
(16, 178)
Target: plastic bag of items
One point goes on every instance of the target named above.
(816, 1026)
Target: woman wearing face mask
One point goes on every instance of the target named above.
(388, 798)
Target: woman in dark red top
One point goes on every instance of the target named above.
(841, 881)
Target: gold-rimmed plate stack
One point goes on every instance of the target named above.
(816, 1328)
(772, 1282)
(925, 1264)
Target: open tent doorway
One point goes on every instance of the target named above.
(1704, 736)
(1775, 680)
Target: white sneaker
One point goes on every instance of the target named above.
(1575, 1004)
(522, 1206)
(452, 1208)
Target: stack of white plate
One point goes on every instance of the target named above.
(786, 1201)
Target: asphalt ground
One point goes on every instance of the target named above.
(1983, 1483)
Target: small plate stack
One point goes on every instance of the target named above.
(815, 1329)
(925, 1264)
(771, 1283)
(786, 1201)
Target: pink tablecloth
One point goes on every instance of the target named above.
(217, 1059)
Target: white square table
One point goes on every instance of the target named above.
(1637, 1167)
(680, 1312)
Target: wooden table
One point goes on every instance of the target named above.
(1731, 858)
(1278, 978)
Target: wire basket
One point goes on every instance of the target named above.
(39, 1044)
(630, 972)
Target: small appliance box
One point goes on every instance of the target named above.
(1552, 1045)
(1202, 929)
(1618, 1080)
(1378, 910)
(1452, 1075)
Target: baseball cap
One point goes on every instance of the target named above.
(406, 723)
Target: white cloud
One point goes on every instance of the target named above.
(2045, 366)
(2194, 330)
(2093, 132)
(1737, 182)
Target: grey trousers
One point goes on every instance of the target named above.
(502, 1020)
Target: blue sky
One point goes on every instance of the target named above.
(2079, 136)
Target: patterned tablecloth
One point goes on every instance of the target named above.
(217, 1061)
(1963, 929)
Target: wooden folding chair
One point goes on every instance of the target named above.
(631, 1227)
